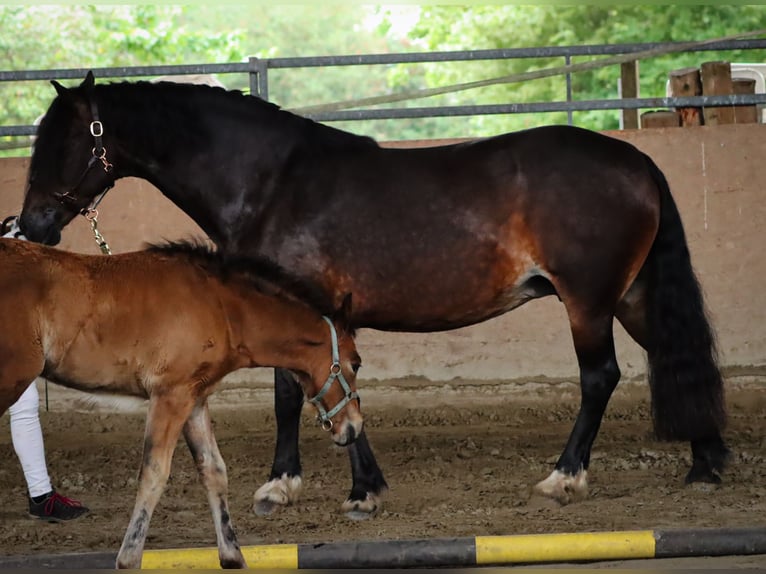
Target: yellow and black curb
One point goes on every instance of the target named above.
(445, 552)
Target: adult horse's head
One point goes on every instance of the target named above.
(69, 167)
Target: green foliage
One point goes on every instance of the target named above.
(512, 26)
(64, 36)
(55, 37)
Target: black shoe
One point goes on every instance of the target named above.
(53, 507)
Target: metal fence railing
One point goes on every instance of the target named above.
(257, 72)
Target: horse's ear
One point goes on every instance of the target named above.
(342, 315)
(60, 90)
(89, 81)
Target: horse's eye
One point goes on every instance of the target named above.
(355, 367)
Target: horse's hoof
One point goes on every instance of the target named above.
(702, 473)
(265, 507)
(358, 516)
(563, 488)
(276, 494)
(362, 509)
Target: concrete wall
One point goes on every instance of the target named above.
(717, 175)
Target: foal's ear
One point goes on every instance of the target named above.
(342, 315)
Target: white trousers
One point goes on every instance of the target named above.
(26, 434)
(27, 437)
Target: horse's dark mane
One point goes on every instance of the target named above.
(176, 109)
(263, 274)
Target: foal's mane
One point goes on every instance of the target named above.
(264, 275)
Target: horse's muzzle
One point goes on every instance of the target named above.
(349, 432)
(41, 227)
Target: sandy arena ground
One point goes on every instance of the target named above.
(460, 460)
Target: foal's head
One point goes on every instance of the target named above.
(289, 331)
(330, 380)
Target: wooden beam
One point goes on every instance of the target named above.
(745, 114)
(629, 89)
(686, 82)
(716, 81)
(661, 119)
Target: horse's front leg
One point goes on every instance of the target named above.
(284, 484)
(599, 375)
(165, 419)
(368, 483)
(198, 432)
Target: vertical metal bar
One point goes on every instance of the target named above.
(567, 61)
(263, 79)
(259, 81)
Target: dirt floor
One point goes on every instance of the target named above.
(460, 460)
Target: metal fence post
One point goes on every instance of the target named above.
(568, 61)
(259, 81)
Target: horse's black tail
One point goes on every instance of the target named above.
(684, 378)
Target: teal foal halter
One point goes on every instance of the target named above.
(336, 373)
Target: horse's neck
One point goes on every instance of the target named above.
(270, 331)
(192, 170)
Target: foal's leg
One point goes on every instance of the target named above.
(167, 414)
(284, 484)
(599, 374)
(198, 432)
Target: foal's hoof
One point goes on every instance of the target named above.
(563, 488)
(276, 494)
(362, 509)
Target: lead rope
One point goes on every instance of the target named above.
(92, 216)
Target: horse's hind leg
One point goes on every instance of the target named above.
(198, 432)
(709, 455)
(599, 374)
(168, 411)
(21, 362)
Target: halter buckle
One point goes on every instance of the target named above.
(96, 129)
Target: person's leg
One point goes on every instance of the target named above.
(27, 438)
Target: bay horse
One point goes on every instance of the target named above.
(166, 325)
(427, 239)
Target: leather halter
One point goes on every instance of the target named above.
(98, 154)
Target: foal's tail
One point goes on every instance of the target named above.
(685, 382)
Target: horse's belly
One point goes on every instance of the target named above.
(446, 306)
